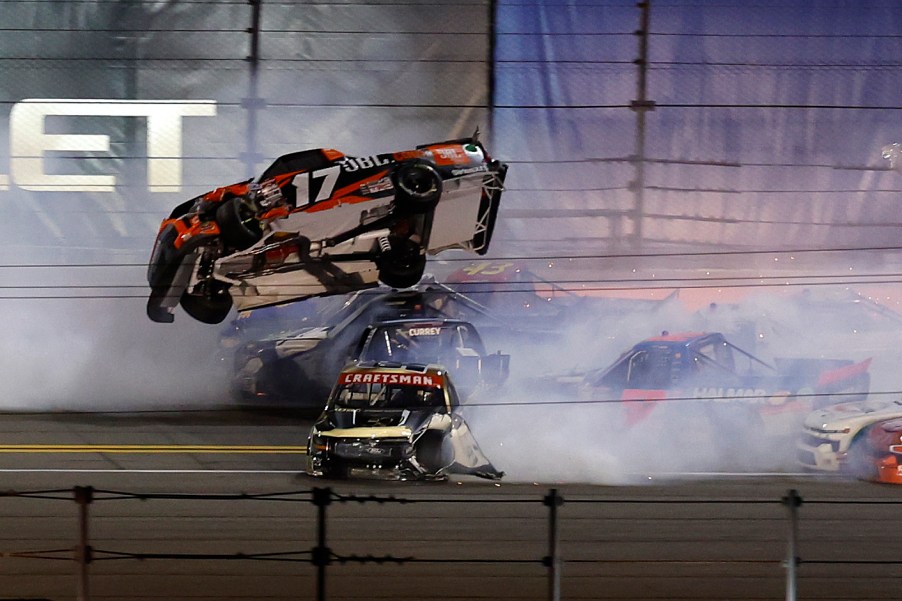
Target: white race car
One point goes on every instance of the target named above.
(835, 439)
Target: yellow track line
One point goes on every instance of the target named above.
(152, 449)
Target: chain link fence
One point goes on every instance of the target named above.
(197, 94)
(544, 541)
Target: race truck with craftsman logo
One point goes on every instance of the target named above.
(704, 369)
(319, 222)
(860, 439)
(394, 422)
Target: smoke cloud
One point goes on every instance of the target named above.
(105, 355)
(543, 430)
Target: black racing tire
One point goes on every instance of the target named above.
(238, 226)
(211, 309)
(431, 452)
(402, 266)
(418, 186)
(860, 459)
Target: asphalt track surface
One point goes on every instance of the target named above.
(718, 536)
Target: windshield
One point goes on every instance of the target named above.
(388, 396)
(421, 343)
(646, 368)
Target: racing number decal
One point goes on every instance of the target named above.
(486, 268)
(330, 176)
(303, 182)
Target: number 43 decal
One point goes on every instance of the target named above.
(316, 186)
(486, 268)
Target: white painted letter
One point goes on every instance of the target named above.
(28, 141)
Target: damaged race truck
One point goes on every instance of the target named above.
(687, 371)
(387, 421)
(319, 222)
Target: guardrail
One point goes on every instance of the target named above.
(321, 555)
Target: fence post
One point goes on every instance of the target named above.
(553, 560)
(322, 555)
(792, 501)
(641, 105)
(253, 103)
(84, 495)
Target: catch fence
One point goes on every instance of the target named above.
(323, 557)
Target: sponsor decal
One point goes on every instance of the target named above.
(430, 331)
(350, 164)
(449, 155)
(390, 378)
(377, 186)
(406, 155)
(726, 394)
(469, 170)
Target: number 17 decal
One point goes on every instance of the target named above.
(305, 188)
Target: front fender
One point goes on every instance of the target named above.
(172, 263)
(468, 457)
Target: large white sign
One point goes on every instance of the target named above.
(29, 142)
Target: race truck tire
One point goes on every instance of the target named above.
(238, 226)
(211, 309)
(403, 265)
(418, 186)
(431, 452)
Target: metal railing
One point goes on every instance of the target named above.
(321, 555)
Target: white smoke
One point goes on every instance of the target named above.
(552, 434)
(105, 355)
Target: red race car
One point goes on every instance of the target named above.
(319, 222)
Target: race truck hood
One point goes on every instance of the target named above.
(385, 424)
(282, 346)
(375, 423)
(301, 342)
(838, 417)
